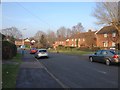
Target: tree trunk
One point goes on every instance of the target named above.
(118, 39)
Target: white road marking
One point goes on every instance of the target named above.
(103, 72)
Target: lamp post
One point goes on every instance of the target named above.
(23, 47)
(23, 36)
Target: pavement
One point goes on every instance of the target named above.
(32, 74)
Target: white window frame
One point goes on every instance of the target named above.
(83, 39)
(72, 39)
(105, 35)
(113, 44)
(105, 44)
(75, 39)
(114, 34)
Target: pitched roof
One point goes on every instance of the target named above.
(83, 35)
(107, 29)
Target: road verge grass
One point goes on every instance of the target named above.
(72, 52)
(10, 71)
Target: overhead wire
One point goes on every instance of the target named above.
(34, 15)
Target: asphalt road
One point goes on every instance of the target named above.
(78, 72)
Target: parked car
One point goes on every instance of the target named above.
(33, 50)
(41, 53)
(106, 56)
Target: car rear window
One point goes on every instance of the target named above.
(42, 50)
(115, 52)
(118, 52)
(33, 49)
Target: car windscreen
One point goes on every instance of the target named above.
(42, 50)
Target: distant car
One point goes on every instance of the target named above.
(106, 56)
(41, 53)
(33, 50)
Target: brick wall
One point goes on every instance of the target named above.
(101, 39)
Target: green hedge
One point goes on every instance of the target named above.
(9, 50)
(78, 48)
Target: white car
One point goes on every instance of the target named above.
(41, 53)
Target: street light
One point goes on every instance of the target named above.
(23, 36)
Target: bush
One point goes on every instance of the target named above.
(89, 49)
(84, 49)
(9, 50)
(95, 48)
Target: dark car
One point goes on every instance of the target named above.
(106, 56)
(33, 50)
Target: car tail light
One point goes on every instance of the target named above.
(115, 56)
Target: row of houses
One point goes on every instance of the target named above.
(104, 38)
(26, 42)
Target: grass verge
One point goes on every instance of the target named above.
(73, 52)
(10, 71)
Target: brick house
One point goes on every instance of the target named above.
(76, 41)
(27, 42)
(86, 39)
(107, 37)
(20, 42)
(58, 43)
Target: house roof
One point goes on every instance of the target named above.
(83, 35)
(107, 29)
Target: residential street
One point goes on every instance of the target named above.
(65, 71)
(33, 75)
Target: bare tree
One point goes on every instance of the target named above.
(43, 41)
(12, 32)
(108, 13)
(90, 38)
(51, 37)
(37, 37)
(62, 33)
(69, 33)
(77, 29)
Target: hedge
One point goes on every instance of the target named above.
(9, 50)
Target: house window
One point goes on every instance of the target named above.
(72, 39)
(105, 44)
(113, 34)
(83, 39)
(67, 40)
(75, 39)
(79, 39)
(105, 35)
(113, 44)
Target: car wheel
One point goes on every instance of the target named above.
(108, 62)
(91, 59)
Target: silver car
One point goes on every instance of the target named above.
(106, 56)
(41, 53)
